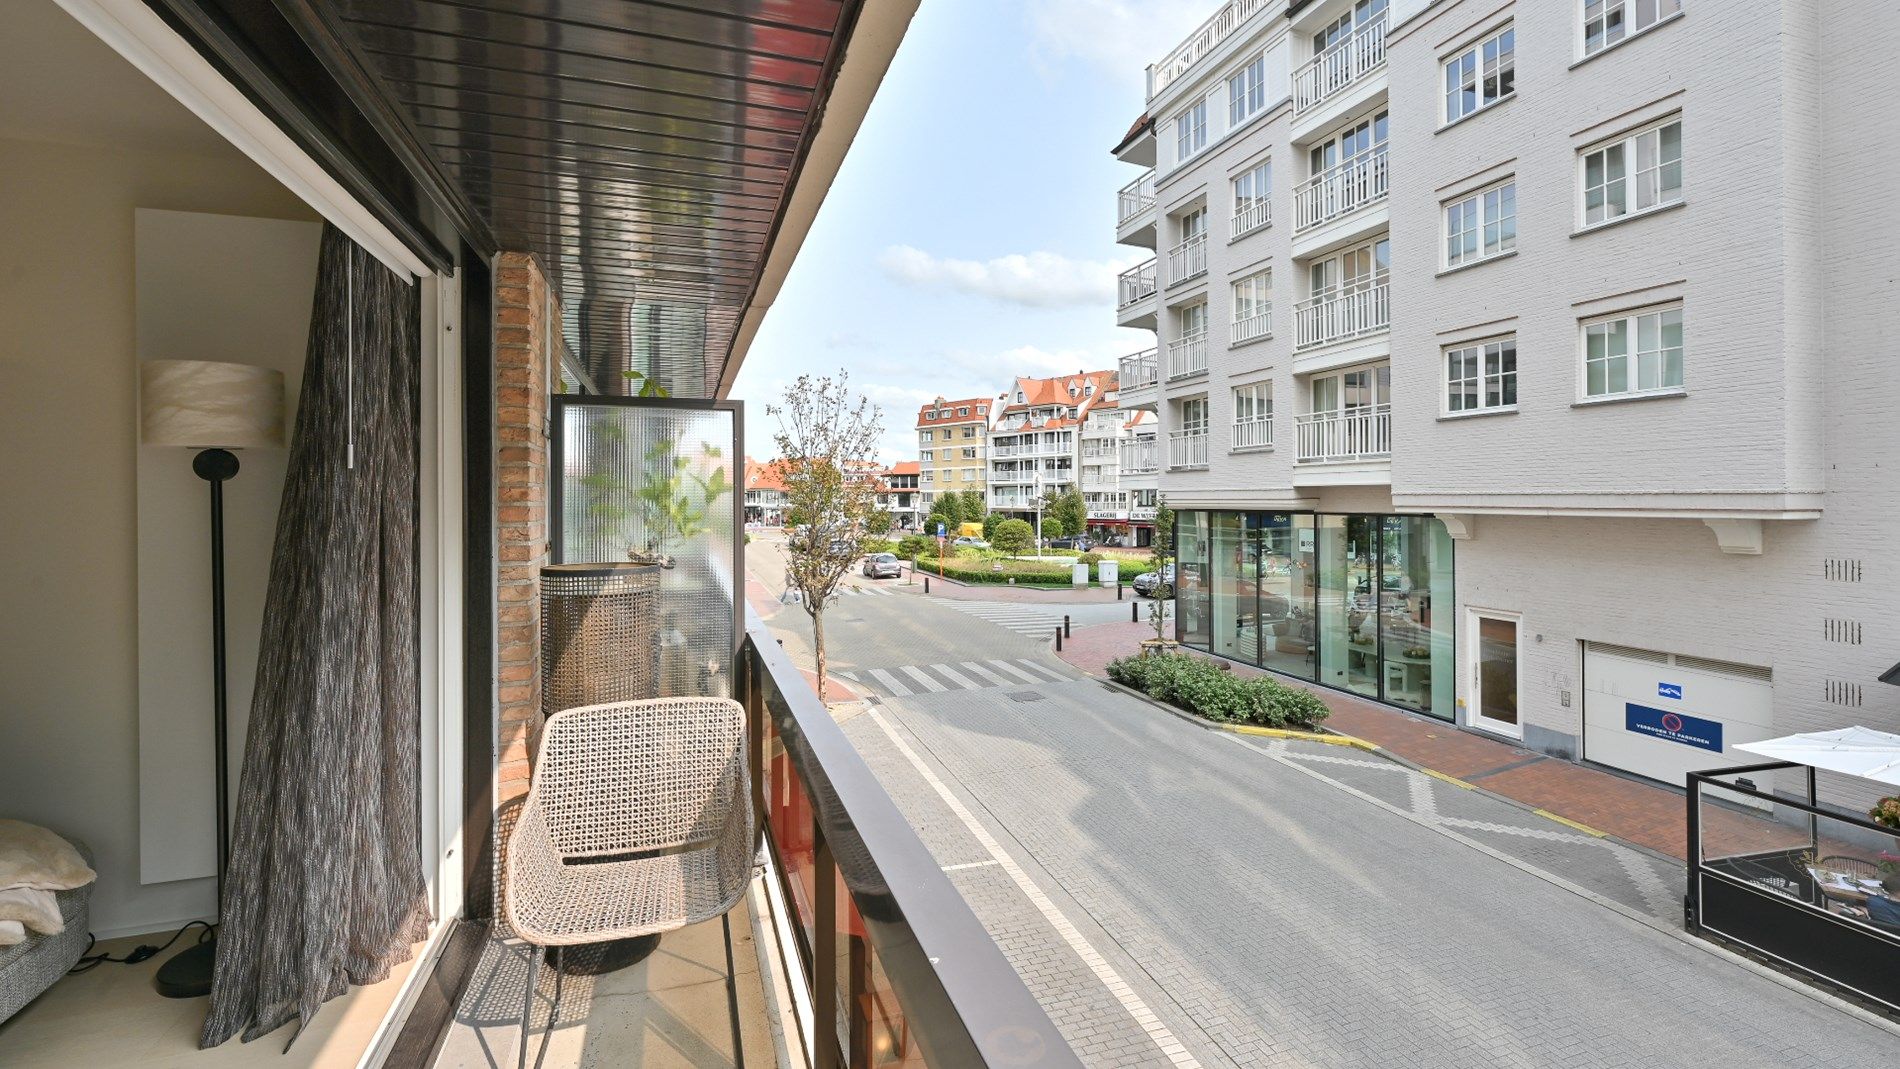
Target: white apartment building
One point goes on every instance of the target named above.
(1035, 443)
(1531, 365)
(1120, 468)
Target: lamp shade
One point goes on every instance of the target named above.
(206, 404)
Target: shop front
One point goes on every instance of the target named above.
(1360, 602)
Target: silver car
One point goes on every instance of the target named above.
(882, 566)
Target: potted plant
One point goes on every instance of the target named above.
(1886, 812)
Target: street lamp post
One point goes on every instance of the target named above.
(1037, 484)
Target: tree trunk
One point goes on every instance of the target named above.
(818, 645)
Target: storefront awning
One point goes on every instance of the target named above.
(1856, 751)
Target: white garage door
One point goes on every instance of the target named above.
(1664, 715)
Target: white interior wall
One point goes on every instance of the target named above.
(68, 551)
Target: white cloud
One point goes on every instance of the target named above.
(1120, 36)
(1035, 280)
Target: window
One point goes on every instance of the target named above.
(927, 455)
(969, 432)
(1348, 145)
(1194, 224)
(1250, 198)
(1481, 225)
(969, 453)
(1481, 75)
(1633, 354)
(969, 474)
(926, 436)
(982, 410)
(1247, 91)
(1194, 415)
(1253, 307)
(1640, 172)
(1606, 22)
(1190, 131)
(1253, 402)
(1193, 319)
(1350, 392)
(1481, 376)
(964, 411)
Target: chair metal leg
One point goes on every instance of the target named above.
(527, 1002)
(560, 967)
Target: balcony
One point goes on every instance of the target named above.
(1098, 482)
(1358, 434)
(1134, 211)
(1199, 43)
(1187, 356)
(1253, 327)
(1140, 370)
(1187, 449)
(1135, 292)
(1340, 190)
(1339, 317)
(1141, 457)
(1340, 67)
(1187, 260)
(1253, 432)
(1249, 216)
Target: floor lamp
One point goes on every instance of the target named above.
(214, 408)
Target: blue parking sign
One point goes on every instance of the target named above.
(940, 530)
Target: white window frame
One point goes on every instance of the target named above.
(1258, 401)
(1190, 131)
(1636, 177)
(1251, 297)
(1247, 91)
(1259, 186)
(1189, 405)
(1487, 356)
(1486, 63)
(1489, 215)
(1636, 349)
(1629, 16)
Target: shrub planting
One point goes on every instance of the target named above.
(1201, 687)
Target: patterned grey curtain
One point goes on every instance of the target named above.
(325, 887)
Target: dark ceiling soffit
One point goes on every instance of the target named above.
(821, 99)
(262, 55)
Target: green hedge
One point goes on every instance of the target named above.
(979, 572)
(1201, 687)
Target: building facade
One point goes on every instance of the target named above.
(1036, 442)
(898, 495)
(1571, 314)
(765, 500)
(952, 447)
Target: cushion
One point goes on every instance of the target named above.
(12, 933)
(31, 856)
(36, 909)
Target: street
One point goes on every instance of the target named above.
(1180, 896)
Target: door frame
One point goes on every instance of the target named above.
(1474, 647)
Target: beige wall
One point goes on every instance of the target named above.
(68, 621)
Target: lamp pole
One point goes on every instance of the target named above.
(1038, 488)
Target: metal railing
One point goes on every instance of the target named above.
(897, 957)
(1249, 216)
(1340, 189)
(1098, 482)
(1187, 355)
(1199, 43)
(1187, 449)
(1339, 316)
(1349, 59)
(1140, 369)
(1253, 432)
(1141, 457)
(1356, 434)
(1135, 198)
(1257, 325)
(1187, 259)
(1136, 283)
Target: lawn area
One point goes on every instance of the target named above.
(988, 566)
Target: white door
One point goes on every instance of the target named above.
(1491, 650)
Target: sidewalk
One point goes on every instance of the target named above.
(1639, 813)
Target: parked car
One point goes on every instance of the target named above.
(966, 540)
(1076, 542)
(1156, 584)
(882, 566)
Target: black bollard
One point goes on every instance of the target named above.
(1134, 613)
(1065, 626)
(1118, 590)
(1058, 640)
(926, 584)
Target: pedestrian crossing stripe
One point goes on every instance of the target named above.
(907, 680)
(1034, 622)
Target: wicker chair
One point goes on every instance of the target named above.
(639, 821)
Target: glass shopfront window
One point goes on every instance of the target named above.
(1359, 602)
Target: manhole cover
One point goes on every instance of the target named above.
(1024, 696)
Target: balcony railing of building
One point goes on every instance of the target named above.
(1250, 215)
(1187, 449)
(1187, 355)
(871, 909)
(1253, 432)
(1187, 259)
(1338, 316)
(1199, 43)
(1355, 434)
(1140, 370)
(1257, 325)
(1137, 282)
(1348, 60)
(1343, 188)
(1136, 197)
(1141, 457)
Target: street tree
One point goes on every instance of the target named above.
(1071, 510)
(824, 431)
(991, 522)
(1161, 554)
(947, 510)
(1012, 536)
(972, 506)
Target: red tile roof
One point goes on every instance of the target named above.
(950, 415)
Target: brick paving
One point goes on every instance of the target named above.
(1640, 813)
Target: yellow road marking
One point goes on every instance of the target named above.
(1453, 780)
(1302, 736)
(1568, 823)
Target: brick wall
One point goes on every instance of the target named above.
(521, 543)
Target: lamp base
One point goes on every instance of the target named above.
(188, 973)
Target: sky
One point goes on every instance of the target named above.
(970, 234)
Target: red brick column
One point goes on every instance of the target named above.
(522, 310)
